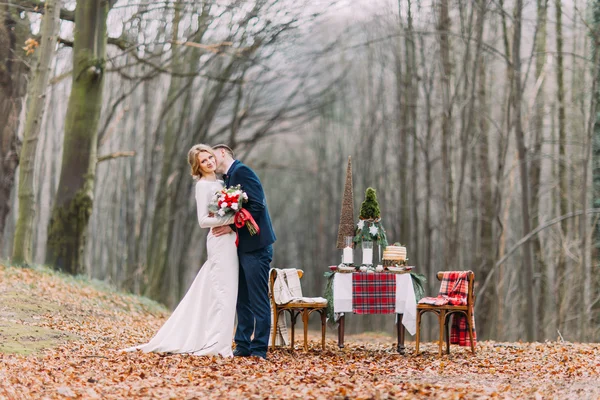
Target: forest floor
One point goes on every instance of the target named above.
(60, 337)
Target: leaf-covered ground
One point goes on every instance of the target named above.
(60, 337)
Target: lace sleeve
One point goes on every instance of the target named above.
(204, 192)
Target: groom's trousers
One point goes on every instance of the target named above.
(253, 304)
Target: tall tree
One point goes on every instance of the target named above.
(443, 29)
(536, 159)
(22, 246)
(528, 264)
(587, 278)
(74, 197)
(428, 83)
(162, 224)
(412, 100)
(502, 146)
(13, 76)
(402, 118)
(477, 105)
(596, 137)
(562, 166)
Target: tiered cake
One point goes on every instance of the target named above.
(393, 255)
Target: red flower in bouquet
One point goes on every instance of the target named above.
(229, 202)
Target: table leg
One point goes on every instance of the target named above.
(341, 331)
(400, 333)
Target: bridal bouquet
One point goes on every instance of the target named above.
(229, 201)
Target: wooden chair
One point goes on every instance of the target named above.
(444, 312)
(296, 308)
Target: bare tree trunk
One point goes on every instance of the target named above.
(595, 243)
(486, 251)
(428, 84)
(536, 159)
(449, 211)
(562, 169)
(157, 287)
(13, 76)
(502, 150)
(412, 89)
(528, 264)
(74, 200)
(22, 243)
(403, 118)
(586, 267)
(469, 83)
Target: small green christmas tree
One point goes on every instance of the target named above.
(370, 207)
(369, 227)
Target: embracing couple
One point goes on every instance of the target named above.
(203, 322)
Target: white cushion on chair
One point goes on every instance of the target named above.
(312, 300)
(287, 288)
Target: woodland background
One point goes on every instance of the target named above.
(476, 121)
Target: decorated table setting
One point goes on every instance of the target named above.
(387, 287)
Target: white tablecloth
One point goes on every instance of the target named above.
(406, 302)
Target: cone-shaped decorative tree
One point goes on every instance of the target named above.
(346, 227)
(369, 226)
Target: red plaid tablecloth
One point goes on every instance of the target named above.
(373, 293)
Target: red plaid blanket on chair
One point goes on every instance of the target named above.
(454, 290)
(373, 293)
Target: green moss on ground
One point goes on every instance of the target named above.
(35, 301)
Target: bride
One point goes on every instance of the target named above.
(203, 322)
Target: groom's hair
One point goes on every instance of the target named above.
(224, 146)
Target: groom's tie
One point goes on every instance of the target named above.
(226, 179)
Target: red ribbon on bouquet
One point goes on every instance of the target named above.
(244, 218)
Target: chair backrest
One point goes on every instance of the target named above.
(273, 277)
(470, 280)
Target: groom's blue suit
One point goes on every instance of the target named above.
(255, 253)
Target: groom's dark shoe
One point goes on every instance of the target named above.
(241, 353)
(259, 356)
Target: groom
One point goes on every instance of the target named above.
(255, 253)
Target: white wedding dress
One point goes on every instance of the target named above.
(203, 322)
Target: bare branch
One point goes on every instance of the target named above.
(527, 237)
(117, 154)
(215, 48)
(37, 6)
(120, 43)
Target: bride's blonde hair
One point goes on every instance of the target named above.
(193, 160)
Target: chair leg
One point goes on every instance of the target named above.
(323, 328)
(441, 317)
(418, 331)
(447, 331)
(274, 336)
(305, 321)
(293, 320)
(470, 325)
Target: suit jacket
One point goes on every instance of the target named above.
(240, 174)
